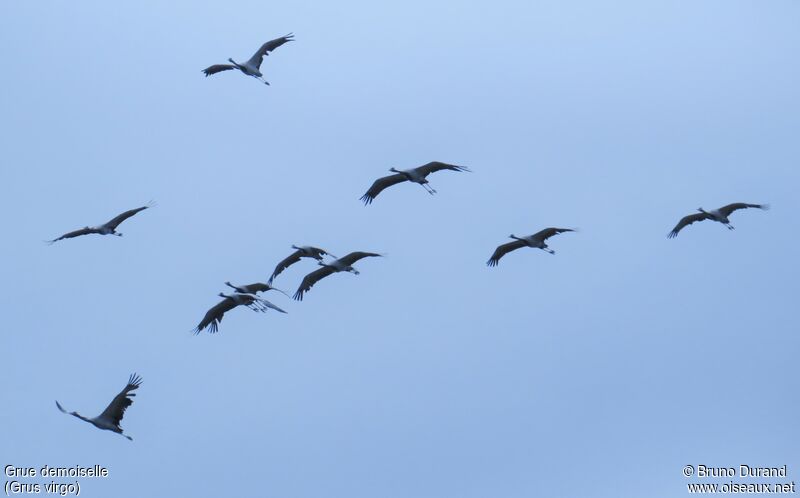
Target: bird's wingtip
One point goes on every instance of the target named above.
(60, 407)
(135, 380)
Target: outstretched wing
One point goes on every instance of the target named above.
(727, 210)
(266, 48)
(687, 220)
(261, 287)
(318, 252)
(351, 258)
(256, 287)
(218, 68)
(432, 167)
(286, 263)
(114, 222)
(214, 315)
(249, 288)
(76, 233)
(116, 409)
(549, 232)
(311, 279)
(380, 184)
(504, 249)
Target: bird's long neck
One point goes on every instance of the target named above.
(702, 210)
(234, 62)
(76, 414)
(514, 237)
(406, 174)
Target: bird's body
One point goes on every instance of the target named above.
(719, 215)
(344, 263)
(214, 315)
(252, 301)
(253, 288)
(299, 253)
(415, 175)
(536, 241)
(107, 228)
(252, 67)
(110, 418)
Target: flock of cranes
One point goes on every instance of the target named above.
(247, 295)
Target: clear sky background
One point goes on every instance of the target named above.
(600, 371)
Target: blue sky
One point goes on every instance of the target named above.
(600, 371)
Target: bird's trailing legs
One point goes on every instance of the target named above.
(428, 188)
(257, 306)
(730, 227)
